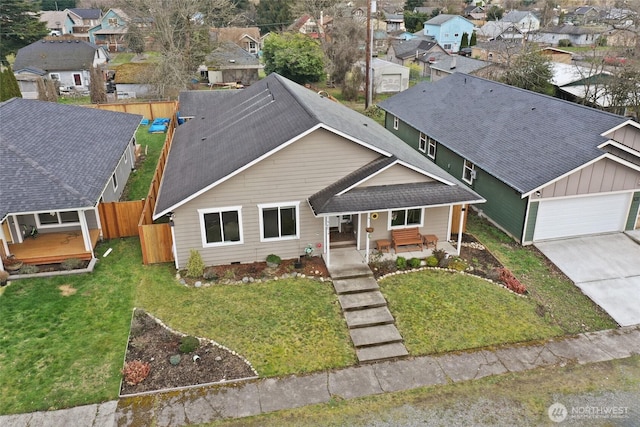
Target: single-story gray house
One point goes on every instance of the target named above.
(277, 168)
(548, 168)
(58, 163)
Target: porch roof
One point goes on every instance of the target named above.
(385, 197)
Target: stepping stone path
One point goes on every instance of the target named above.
(371, 325)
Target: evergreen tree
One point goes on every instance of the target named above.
(57, 4)
(9, 87)
(274, 15)
(465, 40)
(415, 21)
(412, 4)
(19, 26)
(474, 39)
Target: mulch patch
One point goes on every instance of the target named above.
(152, 343)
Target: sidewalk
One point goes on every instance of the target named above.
(210, 403)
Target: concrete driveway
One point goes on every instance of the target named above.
(605, 267)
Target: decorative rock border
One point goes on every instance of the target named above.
(450, 270)
(246, 280)
(207, 340)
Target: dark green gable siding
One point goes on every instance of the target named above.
(633, 213)
(504, 204)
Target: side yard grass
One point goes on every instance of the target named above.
(558, 299)
(281, 326)
(138, 184)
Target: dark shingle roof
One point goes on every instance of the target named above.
(193, 102)
(87, 13)
(58, 156)
(230, 55)
(523, 138)
(406, 48)
(56, 55)
(267, 114)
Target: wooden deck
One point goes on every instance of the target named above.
(52, 248)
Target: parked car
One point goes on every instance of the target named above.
(465, 51)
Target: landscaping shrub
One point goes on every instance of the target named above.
(135, 372)
(29, 269)
(401, 263)
(71, 264)
(195, 265)
(564, 43)
(440, 254)
(444, 262)
(457, 264)
(414, 262)
(510, 281)
(210, 275)
(431, 261)
(273, 259)
(188, 344)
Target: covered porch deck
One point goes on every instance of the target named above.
(52, 248)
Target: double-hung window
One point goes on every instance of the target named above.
(431, 149)
(396, 123)
(422, 143)
(279, 221)
(221, 226)
(403, 218)
(469, 172)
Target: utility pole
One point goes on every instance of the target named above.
(371, 7)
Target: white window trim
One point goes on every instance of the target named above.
(422, 143)
(472, 171)
(278, 205)
(431, 148)
(397, 227)
(396, 123)
(203, 229)
(58, 224)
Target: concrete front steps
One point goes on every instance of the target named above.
(371, 325)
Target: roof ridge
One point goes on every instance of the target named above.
(295, 96)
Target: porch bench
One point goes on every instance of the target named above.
(406, 236)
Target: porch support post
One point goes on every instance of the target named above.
(85, 232)
(16, 226)
(463, 208)
(358, 231)
(98, 222)
(5, 246)
(366, 254)
(327, 227)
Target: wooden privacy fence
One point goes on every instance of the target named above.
(127, 219)
(457, 216)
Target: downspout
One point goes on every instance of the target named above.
(460, 224)
(174, 250)
(98, 221)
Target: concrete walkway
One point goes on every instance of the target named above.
(371, 325)
(210, 403)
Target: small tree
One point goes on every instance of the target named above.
(294, 56)
(352, 84)
(135, 39)
(531, 71)
(465, 40)
(195, 264)
(495, 13)
(96, 87)
(474, 39)
(52, 90)
(9, 87)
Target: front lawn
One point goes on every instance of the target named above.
(438, 311)
(63, 338)
(282, 327)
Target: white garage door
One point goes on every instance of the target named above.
(390, 83)
(581, 215)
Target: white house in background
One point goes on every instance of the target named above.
(388, 77)
(524, 20)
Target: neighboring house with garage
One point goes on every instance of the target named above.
(67, 61)
(306, 167)
(548, 168)
(387, 77)
(59, 162)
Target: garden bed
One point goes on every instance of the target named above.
(153, 343)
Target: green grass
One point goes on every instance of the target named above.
(281, 327)
(60, 351)
(139, 181)
(565, 305)
(440, 311)
(74, 100)
(121, 58)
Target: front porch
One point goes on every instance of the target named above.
(52, 248)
